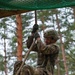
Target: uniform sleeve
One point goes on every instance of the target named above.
(29, 43)
(47, 49)
(34, 48)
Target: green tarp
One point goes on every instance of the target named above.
(35, 4)
(13, 7)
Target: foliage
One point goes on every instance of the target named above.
(1, 63)
(46, 18)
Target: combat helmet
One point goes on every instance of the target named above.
(51, 33)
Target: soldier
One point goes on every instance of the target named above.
(47, 53)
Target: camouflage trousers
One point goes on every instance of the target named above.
(28, 70)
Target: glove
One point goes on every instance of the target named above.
(36, 35)
(35, 28)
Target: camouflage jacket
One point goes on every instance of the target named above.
(47, 55)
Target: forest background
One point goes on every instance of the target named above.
(61, 19)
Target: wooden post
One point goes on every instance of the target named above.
(5, 54)
(62, 47)
(19, 37)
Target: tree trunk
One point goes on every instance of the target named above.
(62, 46)
(58, 67)
(19, 37)
(74, 13)
(5, 55)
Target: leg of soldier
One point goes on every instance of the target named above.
(16, 67)
(40, 71)
(27, 70)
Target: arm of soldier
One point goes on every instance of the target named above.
(47, 49)
(29, 43)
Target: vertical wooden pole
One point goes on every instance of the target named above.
(19, 37)
(62, 47)
(74, 12)
(58, 67)
(5, 54)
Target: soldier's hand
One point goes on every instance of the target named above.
(35, 28)
(36, 35)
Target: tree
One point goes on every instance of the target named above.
(19, 37)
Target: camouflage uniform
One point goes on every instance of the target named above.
(47, 55)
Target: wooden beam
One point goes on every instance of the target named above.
(7, 13)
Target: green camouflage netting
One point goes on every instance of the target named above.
(35, 4)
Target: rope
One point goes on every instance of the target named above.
(35, 17)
